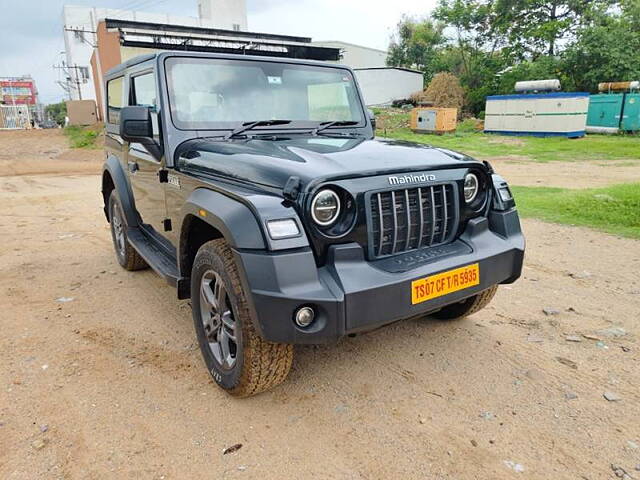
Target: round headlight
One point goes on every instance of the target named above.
(471, 187)
(325, 207)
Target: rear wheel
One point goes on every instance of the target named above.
(468, 306)
(237, 357)
(128, 257)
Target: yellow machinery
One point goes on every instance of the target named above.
(433, 120)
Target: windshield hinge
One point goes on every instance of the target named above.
(163, 175)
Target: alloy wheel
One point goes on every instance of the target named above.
(217, 320)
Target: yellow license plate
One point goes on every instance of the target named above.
(444, 283)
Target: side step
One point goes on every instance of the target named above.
(163, 264)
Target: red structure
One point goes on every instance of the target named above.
(21, 91)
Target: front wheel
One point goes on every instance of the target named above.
(128, 257)
(237, 357)
(468, 306)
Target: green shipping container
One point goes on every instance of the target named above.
(605, 110)
(631, 113)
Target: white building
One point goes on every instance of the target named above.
(80, 24)
(382, 85)
(357, 56)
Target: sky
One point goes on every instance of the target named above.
(31, 38)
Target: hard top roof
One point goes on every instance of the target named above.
(119, 69)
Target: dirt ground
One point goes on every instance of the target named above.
(587, 174)
(101, 377)
(28, 152)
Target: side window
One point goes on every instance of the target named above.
(114, 100)
(144, 90)
(143, 93)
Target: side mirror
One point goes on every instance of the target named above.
(135, 125)
(372, 118)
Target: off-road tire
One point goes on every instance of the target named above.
(127, 256)
(259, 365)
(468, 306)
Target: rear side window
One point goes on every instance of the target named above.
(144, 90)
(115, 91)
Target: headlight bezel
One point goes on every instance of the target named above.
(344, 222)
(314, 201)
(476, 180)
(480, 200)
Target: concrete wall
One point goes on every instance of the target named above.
(357, 56)
(381, 86)
(81, 112)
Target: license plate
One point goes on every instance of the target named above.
(444, 283)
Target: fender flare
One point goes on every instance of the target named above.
(113, 167)
(232, 219)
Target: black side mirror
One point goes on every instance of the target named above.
(372, 118)
(135, 125)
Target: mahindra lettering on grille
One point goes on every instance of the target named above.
(411, 218)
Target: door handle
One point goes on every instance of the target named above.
(133, 167)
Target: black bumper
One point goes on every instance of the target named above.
(350, 294)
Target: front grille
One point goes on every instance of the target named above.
(412, 218)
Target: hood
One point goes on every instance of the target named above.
(272, 162)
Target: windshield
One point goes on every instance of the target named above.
(208, 94)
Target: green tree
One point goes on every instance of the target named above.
(474, 50)
(415, 44)
(607, 50)
(539, 27)
(57, 112)
(541, 69)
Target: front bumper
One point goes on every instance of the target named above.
(350, 294)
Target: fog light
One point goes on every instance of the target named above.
(304, 316)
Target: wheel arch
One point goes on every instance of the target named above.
(114, 178)
(208, 215)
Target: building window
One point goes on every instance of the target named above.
(84, 74)
(115, 90)
(236, 27)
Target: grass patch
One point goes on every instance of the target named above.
(394, 123)
(83, 137)
(591, 147)
(614, 209)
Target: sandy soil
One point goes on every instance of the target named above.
(28, 152)
(101, 378)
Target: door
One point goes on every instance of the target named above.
(149, 193)
(631, 115)
(604, 110)
(427, 120)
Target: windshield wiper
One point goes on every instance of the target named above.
(258, 123)
(337, 123)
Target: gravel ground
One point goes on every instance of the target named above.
(101, 376)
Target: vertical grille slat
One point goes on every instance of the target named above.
(408, 207)
(434, 217)
(444, 216)
(421, 210)
(381, 217)
(407, 219)
(395, 222)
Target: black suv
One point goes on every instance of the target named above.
(255, 186)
